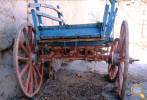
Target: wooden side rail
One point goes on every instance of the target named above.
(39, 14)
(35, 5)
(49, 16)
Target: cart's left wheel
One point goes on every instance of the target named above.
(29, 69)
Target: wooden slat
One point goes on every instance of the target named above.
(70, 40)
(34, 5)
(49, 16)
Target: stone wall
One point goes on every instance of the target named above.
(7, 20)
(8, 84)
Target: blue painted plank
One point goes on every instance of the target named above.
(35, 24)
(111, 18)
(111, 24)
(91, 25)
(105, 17)
(37, 8)
(72, 31)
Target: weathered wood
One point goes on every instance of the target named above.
(49, 16)
(34, 5)
(70, 40)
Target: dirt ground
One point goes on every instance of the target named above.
(74, 85)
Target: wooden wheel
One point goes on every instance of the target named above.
(112, 72)
(112, 67)
(29, 69)
(123, 63)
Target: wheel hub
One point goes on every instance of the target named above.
(33, 57)
(115, 58)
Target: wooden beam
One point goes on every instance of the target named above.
(34, 5)
(49, 16)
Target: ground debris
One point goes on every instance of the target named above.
(90, 86)
(68, 86)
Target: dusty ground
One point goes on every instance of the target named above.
(87, 86)
(84, 85)
(72, 86)
(75, 86)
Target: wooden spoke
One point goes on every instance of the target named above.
(23, 58)
(24, 69)
(35, 78)
(31, 83)
(28, 80)
(37, 71)
(24, 48)
(28, 47)
(120, 79)
(112, 72)
(31, 37)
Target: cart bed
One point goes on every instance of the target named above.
(71, 31)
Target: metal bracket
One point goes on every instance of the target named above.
(132, 60)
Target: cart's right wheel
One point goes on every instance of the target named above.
(29, 69)
(123, 50)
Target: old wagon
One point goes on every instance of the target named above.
(36, 44)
